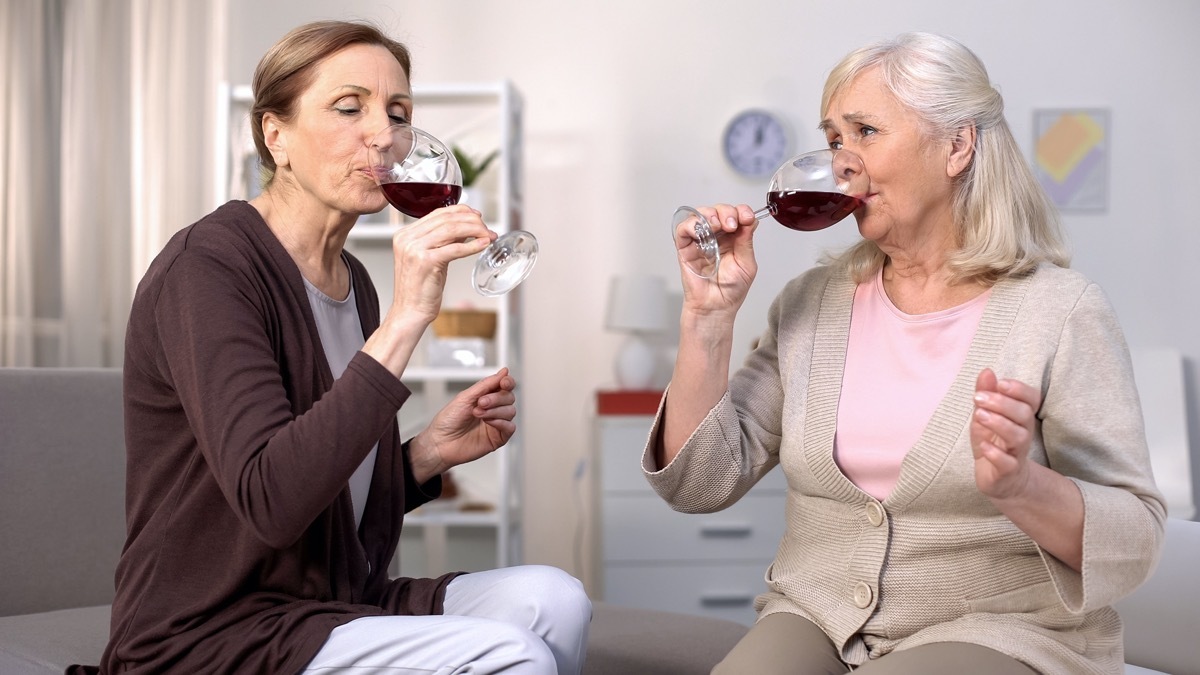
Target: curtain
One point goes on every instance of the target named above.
(30, 58)
(179, 69)
(100, 170)
(94, 180)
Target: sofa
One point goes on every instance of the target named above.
(62, 470)
(62, 526)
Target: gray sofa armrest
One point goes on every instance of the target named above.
(62, 487)
(1161, 616)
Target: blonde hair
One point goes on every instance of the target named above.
(288, 68)
(1007, 224)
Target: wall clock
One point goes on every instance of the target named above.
(755, 143)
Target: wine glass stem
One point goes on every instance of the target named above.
(762, 213)
(497, 253)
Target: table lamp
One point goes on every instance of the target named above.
(637, 305)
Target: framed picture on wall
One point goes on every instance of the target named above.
(1071, 152)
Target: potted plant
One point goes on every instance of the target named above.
(471, 170)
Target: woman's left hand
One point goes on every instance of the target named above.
(1002, 429)
(476, 422)
(1043, 503)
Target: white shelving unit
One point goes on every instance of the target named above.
(478, 118)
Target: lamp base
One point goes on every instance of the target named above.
(635, 364)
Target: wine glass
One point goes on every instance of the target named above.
(804, 194)
(418, 174)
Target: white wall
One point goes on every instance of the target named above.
(625, 102)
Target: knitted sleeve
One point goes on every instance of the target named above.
(738, 442)
(1094, 434)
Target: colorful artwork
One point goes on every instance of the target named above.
(1071, 157)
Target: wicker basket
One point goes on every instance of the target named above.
(479, 323)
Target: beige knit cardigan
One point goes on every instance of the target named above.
(936, 561)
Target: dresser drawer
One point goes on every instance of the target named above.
(643, 527)
(622, 440)
(718, 591)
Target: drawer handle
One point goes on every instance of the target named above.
(725, 600)
(726, 530)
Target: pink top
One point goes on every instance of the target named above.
(898, 368)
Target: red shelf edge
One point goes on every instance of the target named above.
(627, 402)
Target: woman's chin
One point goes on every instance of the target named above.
(870, 228)
(370, 206)
(863, 223)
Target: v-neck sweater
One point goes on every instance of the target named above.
(936, 561)
(242, 553)
(898, 367)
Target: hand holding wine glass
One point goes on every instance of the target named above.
(808, 192)
(419, 174)
(721, 297)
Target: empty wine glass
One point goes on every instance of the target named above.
(418, 174)
(804, 194)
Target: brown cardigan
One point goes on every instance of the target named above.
(241, 552)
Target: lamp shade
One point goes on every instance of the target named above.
(636, 303)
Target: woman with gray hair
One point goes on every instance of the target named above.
(969, 486)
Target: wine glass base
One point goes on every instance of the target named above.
(505, 263)
(696, 242)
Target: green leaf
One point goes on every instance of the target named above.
(471, 169)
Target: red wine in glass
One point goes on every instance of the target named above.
(417, 200)
(807, 193)
(418, 174)
(810, 211)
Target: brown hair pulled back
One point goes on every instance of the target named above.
(287, 69)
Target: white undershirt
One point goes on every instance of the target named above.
(341, 336)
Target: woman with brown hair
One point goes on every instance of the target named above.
(267, 482)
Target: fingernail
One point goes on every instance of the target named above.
(982, 415)
(981, 397)
(1004, 385)
(731, 222)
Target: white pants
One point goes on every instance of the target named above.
(527, 619)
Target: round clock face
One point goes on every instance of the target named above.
(755, 143)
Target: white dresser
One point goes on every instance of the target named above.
(653, 557)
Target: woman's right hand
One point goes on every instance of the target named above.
(724, 293)
(422, 253)
(701, 373)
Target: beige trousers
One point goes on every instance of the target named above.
(787, 644)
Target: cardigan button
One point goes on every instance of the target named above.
(875, 514)
(862, 595)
